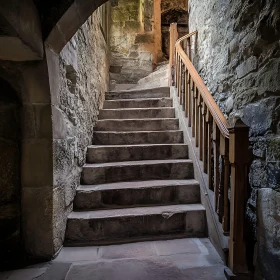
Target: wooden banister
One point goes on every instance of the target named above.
(223, 149)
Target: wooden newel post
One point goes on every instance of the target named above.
(239, 160)
(172, 59)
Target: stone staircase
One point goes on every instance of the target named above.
(138, 183)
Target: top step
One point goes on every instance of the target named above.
(161, 92)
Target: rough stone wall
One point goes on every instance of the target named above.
(239, 59)
(10, 192)
(132, 40)
(84, 79)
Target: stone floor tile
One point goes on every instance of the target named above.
(77, 254)
(184, 261)
(27, 274)
(57, 271)
(205, 273)
(133, 250)
(179, 246)
(150, 269)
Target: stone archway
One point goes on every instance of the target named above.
(51, 25)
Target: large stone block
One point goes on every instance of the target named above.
(37, 221)
(268, 233)
(37, 163)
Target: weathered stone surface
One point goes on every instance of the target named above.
(134, 138)
(137, 113)
(137, 125)
(83, 80)
(238, 58)
(99, 154)
(268, 233)
(109, 226)
(139, 103)
(132, 40)
(137, 170)
(128, 194)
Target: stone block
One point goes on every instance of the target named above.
(258, 174)
(273, 175)
(54, 76)
(247, 66)
(261, 116)
(43, 121)
(37, 163)
(37, 221)
(268, 233)
(273, 150)
(36, 83)
(9, 171)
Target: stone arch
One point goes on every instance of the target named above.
(72, 19)
(37, 78)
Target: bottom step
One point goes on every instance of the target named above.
(141, 223)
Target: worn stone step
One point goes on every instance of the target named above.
(138, 103)
(132, 194)
(137, 137)
(148, 223)
(137, 125)
(143, 93)
(102, 173)
(140, 113)
(103, 154)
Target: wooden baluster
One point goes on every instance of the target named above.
(223, 204)
(182, 82)
(216, 141)
(187, 95)
(226, 188)
(220, 208)
(210, 150)
(196, 105)
(180, 79)
(193, 109)
(186, 87)
(190, 101)
(200, 127)
(239, 158)
(205, 139)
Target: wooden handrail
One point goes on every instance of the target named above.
(206, 95)
(223, 149)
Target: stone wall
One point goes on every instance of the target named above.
(84, 79)
(239, 59)
(10, 192)
(132, 40)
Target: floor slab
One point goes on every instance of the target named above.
(181, 259)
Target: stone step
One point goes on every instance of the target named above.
(136, 137)
(132, 194)
(102, 173)
(138, 103)
(141, 113)
(103, 154)
(141, 223)
(143, 93)
(137, 125)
